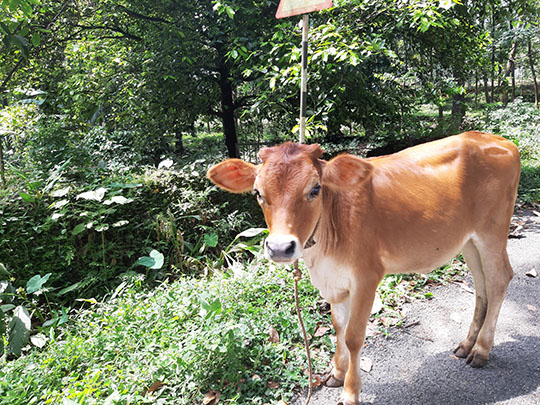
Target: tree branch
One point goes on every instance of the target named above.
(119, 30)
(140, 16)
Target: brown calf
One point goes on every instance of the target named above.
(354, 220)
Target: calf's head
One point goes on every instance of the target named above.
(289, 186)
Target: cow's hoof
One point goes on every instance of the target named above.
(476, 360)
(348, 399)
(461, 351)
(342, 401)
(333, 382)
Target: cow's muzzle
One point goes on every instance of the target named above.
(282, 248)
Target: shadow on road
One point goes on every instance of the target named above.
(513, 371)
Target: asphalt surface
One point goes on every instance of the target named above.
(416, 365)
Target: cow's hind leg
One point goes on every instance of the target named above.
(497, 274)
(474, 262)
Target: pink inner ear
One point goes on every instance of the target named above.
(233, 175)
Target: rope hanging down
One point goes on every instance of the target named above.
(297, 275)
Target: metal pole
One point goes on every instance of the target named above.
(303, 82)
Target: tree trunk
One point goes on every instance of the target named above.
(458, 109)
(227, 110)
(493, 54)
(2, 168)
(476, 90)
(179, 143)
(531, 63)
(510, 65)
(486, 89)
(458, 105)
(513, 82)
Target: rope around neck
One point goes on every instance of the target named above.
(297, 274)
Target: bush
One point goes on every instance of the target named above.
(183, 339)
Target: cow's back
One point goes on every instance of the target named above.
(426, 201)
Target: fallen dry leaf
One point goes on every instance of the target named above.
(274, 335)
(282, 402)
(272, 384)
(454, 357)
(536, 213)
(531, 307)
(154, 387)
(255, 377)
(321, 331)
(532, 273)
(317, 382)
(211, 398)
(366, 364)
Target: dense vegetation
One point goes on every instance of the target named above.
(122, 275)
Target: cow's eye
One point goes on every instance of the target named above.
(258, 195)
(314, 192)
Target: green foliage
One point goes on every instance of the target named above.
(193, 336)
(519, 122)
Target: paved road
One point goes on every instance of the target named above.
(418, 367)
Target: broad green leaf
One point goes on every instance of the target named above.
(209, 308)
(7, 307)
(21, 43)
(158, 258)
(39, 340)
(61, 193)
(68, 289)
(78, 229)
(19, 330)
(250, 233)
(4, 271)
(117, 199)
(211, 240)
(446, 4)
(230, 12)
(2, 333)
(26, 8)
(57, 215)
(36, 39)
(146, 261)
(36, 282)
(27, 197)
(96, 195)
(6, 291)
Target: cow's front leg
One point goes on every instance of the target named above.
(340, 318)
(360, 303)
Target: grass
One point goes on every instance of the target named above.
(174, 344)
(187, 337)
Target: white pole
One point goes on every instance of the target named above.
(303, 82)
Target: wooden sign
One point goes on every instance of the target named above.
(288, 8)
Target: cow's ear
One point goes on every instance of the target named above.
(346, 171)
(233, 175)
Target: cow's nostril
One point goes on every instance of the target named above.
(290, 249)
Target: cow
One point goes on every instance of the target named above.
(353, 220)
